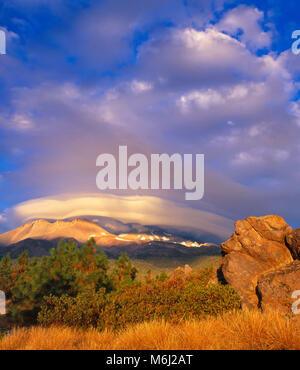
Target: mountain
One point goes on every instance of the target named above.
(115, 226)
(78, 229)
(38, 237)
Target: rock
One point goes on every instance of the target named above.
(241, 272)
(257, 246)
(214, 279)
(275, 288)
(293, 243)
(262, 238)
(181, 272)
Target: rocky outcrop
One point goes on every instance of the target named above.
(293, 243)
(257, 246)
(182, 273)
(275, 288)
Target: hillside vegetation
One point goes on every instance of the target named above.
(77, 299)
(168, 265)
(77, 286)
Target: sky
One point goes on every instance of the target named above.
(171, 76)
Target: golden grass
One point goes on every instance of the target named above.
(251, 330)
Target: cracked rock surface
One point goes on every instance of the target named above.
(257, 246)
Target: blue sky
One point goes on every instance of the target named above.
(189, 76)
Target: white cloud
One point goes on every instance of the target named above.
(140, 86)
(260, 157)
(247, 19)
(227, 97)
(2, 218)
(295, 111)
(22, 122)
(203, 99)
(198, 104)
(143, 209)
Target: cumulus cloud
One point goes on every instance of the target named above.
(245, 23)
(191, 86)
(182, 58)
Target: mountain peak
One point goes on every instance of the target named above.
(78, 229)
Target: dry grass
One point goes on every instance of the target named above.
(242, 330)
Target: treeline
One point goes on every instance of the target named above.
(74, 286)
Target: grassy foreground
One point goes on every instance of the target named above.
(251, 330)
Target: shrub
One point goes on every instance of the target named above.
(73, 287)
(210, 300)
(124, 272)
(69, 270)
(174, 300)
(81, 311)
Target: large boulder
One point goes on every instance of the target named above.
(257, 246)
(275, 288)
(293, 243)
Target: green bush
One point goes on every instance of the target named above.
(74, 287)
(68, 270)
(175, 299)
(211, 299)
(81, 311)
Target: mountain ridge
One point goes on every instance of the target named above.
(83, 230)
(39, 236)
